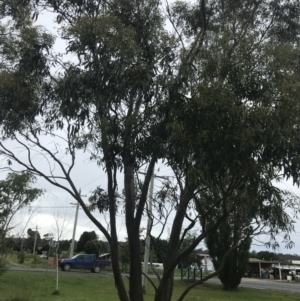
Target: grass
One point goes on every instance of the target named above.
(12, 259)
(29, 286)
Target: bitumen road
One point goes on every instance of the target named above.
(262, 284)
(266, 284)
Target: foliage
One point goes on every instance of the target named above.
(3, 265)
(192, 258)
(267, 255)
(257, 208)
(23, 49)
(84, 238)
(216, 99)
(31, 237)
(159, 247)
(64, 245)
(21, 256)
(104, 247)
(92, 247)
(16, 193)
(220, 242)
(124, 252)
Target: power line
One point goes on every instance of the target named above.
(52, 207)
(93, 181)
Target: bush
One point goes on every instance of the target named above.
(21, 257)
(36, 259)
(3, 265)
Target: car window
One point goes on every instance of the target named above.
(88, 257)
(80, 257)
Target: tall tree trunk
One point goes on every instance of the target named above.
(165, 289)
(133, 231)
(123, 296)
(114, 248)
(135, 281)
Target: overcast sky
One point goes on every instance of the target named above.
(87, 175)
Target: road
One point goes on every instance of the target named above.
(262, 284)
(265, 284)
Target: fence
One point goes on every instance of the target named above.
(191, 274)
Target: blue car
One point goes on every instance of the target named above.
(83, 261)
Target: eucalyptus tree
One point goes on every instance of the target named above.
(259, 210)
(16, 192)
(216, 96)
(23, 68)
(236, 117)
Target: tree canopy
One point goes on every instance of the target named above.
(85, 237)
(16, 192)
(215, 98)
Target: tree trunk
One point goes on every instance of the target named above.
(114, 248)
(117, 273)
(133, 231)
(165, 289)
(135, 281)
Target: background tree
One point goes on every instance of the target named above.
(64, 245)
(190, 259)
(124, 252)
(104, 247)
(61, 222)
(16, 192)
(23, 50)
(266, 255)
(266, 213)
(159, 248)
(92, 247)
(227, 100)
(33, 238)
(84, 238)
(218, 244)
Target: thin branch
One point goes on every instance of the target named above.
(173, 24)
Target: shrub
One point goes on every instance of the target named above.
(3, 265)
(21, 256)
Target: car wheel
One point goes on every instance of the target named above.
(67, 267)
(97, 269)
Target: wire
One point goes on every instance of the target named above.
(93, 181)
(53, 207)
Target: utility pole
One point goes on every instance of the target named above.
(75, 225)
(74, 230)
(279, 269)
(35, 238)
(147, 241)
(22, 237)
(34, 245)
(56, 253)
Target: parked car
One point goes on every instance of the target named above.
(83, 261)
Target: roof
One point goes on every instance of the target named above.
(203, 255)
(104, 255)
(295, 262)
(256, 260)
(287, 267)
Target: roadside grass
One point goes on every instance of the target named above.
(29, 262)
(30, 286)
